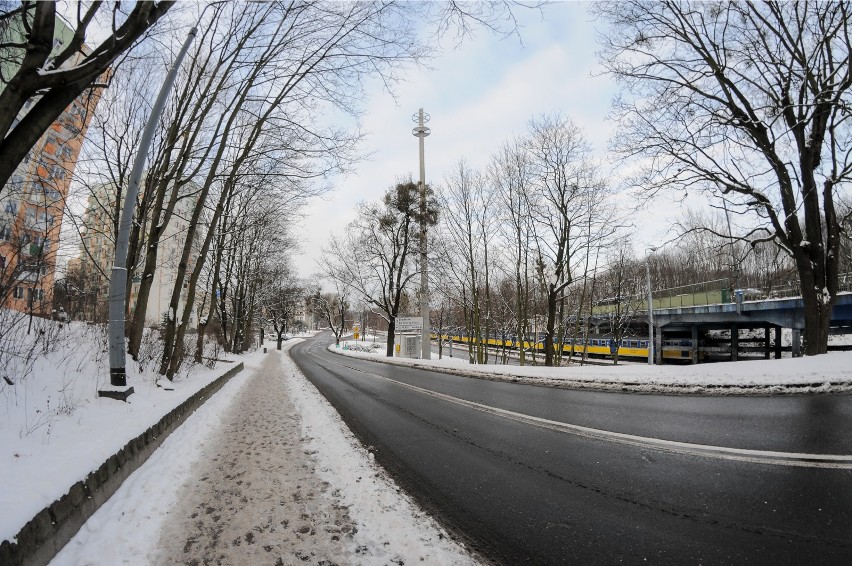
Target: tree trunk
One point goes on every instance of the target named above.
(818, 307)
(550, 332)
(391, 331)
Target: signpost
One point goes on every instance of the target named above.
(408, 323)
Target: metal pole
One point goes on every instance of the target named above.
(650, 315)
(118, 278)
(421, 131)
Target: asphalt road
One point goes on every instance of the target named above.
(505, 467)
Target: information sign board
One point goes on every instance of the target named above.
(409, 323)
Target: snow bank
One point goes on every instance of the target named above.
(55, 430)
(392, 529)
(819, 374)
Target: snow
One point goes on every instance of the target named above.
(53, 415)
(388, 521)
(125, 530)
(128, 527)
(827, 373)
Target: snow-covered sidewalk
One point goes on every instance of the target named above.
(264, 473)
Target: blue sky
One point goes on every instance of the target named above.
(478, 96)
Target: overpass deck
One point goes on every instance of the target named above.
(766, 314)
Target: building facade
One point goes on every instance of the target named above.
(93, 268)
(32, 204)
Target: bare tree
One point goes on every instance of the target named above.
(749, 101)
(282, 297)
(568, 209)
(467, 224)
(374, 255)
(620, 292)
(45, 70)
(510, 173)
(332, 307)
(301, 57)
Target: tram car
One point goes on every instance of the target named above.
(631, 348)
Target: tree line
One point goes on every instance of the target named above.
(531, 245)
(239, 149)
(746, 103)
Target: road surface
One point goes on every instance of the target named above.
(536, 475)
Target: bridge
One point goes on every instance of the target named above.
(683, 314)
(765, 316)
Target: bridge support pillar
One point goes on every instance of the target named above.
(766, 342)
(694, 343)
(658, 345)
(735, 342)
(777, 342)
(797, 342)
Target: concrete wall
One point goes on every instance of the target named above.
(45, 535)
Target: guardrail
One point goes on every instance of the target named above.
(717, 291)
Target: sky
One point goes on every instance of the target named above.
(477, 96)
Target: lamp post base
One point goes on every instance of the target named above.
(117, 393)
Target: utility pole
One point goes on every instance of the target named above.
(421, 131)
(118, 276)
(651, 352)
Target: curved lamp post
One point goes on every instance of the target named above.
(648, 254)
(118, 277)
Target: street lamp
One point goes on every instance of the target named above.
(421, 131)
(118, 277)
(648, 254)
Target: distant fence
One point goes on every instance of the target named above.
(704, 293)
(713, 292)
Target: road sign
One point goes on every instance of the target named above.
(409, 323)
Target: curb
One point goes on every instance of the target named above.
(45, 534)
(685, 389)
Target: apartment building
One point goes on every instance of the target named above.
(97, 253)
(32, 204)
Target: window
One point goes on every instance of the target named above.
(11, 207)
(57, 172)
(2, 262)
(17, 182)
(5, 232)
(41, 242)
(19, 293)
(29, 266)
(39, 221)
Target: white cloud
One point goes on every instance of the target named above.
(478, 96)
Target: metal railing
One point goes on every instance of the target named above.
(717, 291)
(695, 294)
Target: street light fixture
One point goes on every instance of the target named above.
(421, 131)
(118, 277)
(648, 254)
